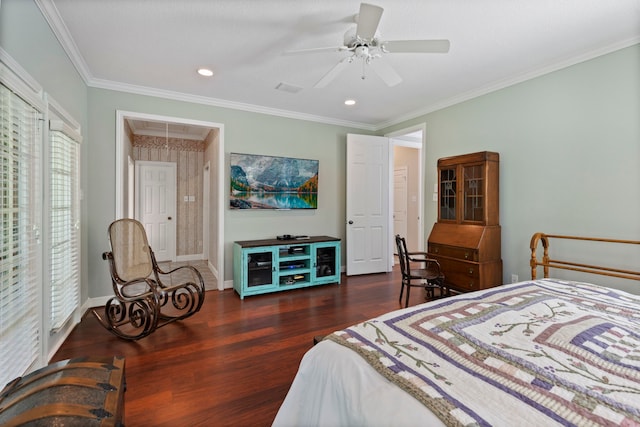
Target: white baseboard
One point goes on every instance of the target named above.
(213, 269)
(95, 302)
(193, 257)
(61, 334)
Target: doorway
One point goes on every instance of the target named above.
(400, 201)
(406, 197)
(210, 216)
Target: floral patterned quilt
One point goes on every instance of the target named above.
(533, 353)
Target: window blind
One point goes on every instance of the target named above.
(20, 251)
(64, 223)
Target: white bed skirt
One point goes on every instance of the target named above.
(334, 386)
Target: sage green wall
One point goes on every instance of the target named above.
(28, 40)
(26, 36)
(569, 145)
(244, 132)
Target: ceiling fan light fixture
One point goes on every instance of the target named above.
(350, 102)
(364, 42)
(206, 72)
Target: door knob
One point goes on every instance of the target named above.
(169, 218)
(350, 222)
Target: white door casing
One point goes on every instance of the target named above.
(131, 185)
(123, 148)
(400, 202)
(412, 137)
(367, 204)
(156, 206)
(206, 200)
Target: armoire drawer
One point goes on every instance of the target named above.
(464, 275)
(467, 254)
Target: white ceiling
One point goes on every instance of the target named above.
(154, 47)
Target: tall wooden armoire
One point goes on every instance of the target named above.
(466, 238)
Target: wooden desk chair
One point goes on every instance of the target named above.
(426, 275)
(146, 297)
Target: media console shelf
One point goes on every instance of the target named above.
(272, 265)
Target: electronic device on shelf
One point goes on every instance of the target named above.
(259, 260)
(292, 237)
(292, 265)
(324, 270)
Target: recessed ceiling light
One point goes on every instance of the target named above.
(205, 72)
(350, 102)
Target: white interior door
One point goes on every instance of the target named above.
(367, 204)
(400, 202)
(411, 139)
(156, 202)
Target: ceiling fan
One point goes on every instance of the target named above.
(364, 43)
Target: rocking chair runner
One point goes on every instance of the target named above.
(146, 297)
(427, 276)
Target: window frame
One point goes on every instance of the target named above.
(64, 293)
(21, 340)
(40, 345)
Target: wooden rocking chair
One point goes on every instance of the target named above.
(146, 297)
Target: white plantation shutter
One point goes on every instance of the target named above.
(20, 250)
(64, 222)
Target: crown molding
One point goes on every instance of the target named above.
(501, 84)
(215, 102)
(60, 30)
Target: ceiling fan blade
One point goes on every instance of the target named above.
(386, 73)
(368, 20)
(332, 74)
(315, 50)
(416, 46)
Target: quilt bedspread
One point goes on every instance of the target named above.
(534, 353)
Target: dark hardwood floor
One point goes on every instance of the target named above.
(233, 362)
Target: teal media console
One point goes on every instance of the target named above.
(272, 265)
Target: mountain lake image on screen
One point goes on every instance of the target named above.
(271, 182)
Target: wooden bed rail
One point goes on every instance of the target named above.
(547, 262)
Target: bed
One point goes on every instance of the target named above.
(540, 352)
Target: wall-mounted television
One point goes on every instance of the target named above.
(270, 182)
